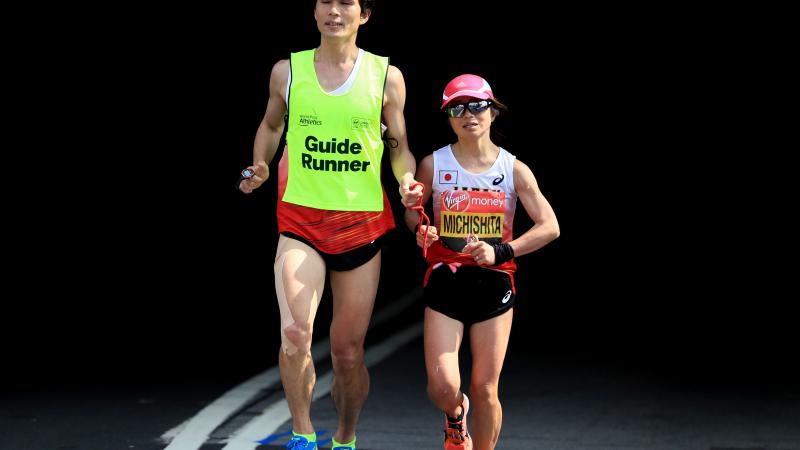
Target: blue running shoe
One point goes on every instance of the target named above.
(300, 443)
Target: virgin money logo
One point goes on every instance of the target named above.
(457, 201)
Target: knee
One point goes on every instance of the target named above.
(483, 391)
(296, 338)
(440, 390)
(346, 358)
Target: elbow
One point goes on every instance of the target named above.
(555, 232)
(275, 129)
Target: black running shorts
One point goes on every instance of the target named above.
(470, 295)
(342, 262)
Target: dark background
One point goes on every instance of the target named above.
(137, 261)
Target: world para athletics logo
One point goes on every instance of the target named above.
(309, 119)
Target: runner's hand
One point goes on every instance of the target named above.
(433, 235)
(261, 175)
(411, 196)
(481, 252)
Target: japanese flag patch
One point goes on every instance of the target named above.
(448, 176)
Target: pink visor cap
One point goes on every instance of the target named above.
(466, 85)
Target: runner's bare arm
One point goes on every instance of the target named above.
(545, 228)
(424, 176)
(268, 135)
(402, 160)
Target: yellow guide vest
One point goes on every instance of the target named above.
(334, 141)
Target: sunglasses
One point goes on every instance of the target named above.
(473, 107)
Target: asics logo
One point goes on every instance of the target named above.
(499, 179)
(507, 297)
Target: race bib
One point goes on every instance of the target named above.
(466, 214)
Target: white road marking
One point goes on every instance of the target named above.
(192, 434)
(170, 434)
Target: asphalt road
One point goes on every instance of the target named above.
(550, 401)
